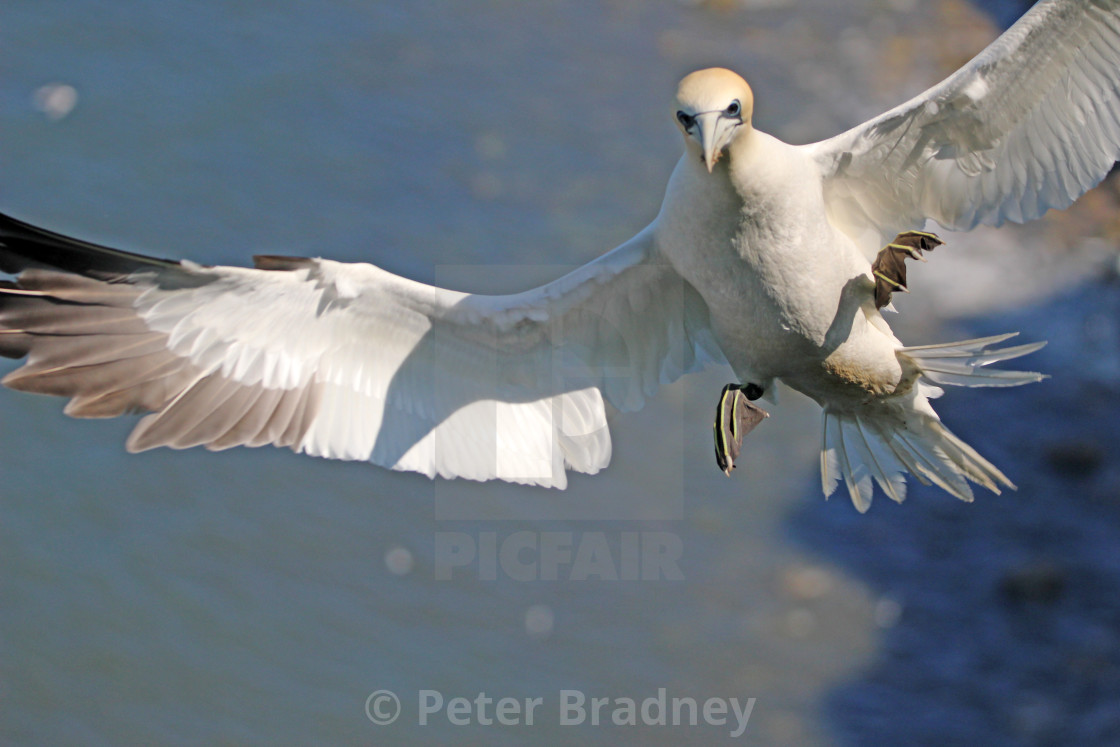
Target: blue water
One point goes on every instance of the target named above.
(1010, 630)
(246, 597)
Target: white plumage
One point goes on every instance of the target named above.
(760, 256)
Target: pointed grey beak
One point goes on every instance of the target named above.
(712, 133)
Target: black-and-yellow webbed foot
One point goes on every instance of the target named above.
(736, 416)
(889, 268)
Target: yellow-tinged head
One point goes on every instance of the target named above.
(712, 108)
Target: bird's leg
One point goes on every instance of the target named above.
(889, 268)
(736, 416)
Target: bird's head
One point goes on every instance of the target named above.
(712, 108)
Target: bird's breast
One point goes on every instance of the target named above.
(766, 262)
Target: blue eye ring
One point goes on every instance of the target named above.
(733, 109)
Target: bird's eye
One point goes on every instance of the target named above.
(686, 120)
(734, 109)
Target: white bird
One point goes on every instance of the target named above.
(761, 255)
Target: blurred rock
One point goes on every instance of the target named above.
(1040, 581)
(1080, 458)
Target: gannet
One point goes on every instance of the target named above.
(774, 258)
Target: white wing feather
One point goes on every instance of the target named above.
(1030, 124)
(349, 361)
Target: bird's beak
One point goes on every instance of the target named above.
(713, 136)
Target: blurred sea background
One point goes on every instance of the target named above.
(258, 597)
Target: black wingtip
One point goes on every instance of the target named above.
(23, 245)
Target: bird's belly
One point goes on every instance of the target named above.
(795, 313)
(771, 308)
(761, 337)
(838, 370)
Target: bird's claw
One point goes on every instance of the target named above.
(889, 267)
(736, 416)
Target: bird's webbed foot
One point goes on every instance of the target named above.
(736, 416)
(889, 268)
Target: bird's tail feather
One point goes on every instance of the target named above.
(889, 437)
(963, 363)
(859, 448)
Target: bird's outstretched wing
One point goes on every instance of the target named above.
(349, 361)
(1031, 123)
